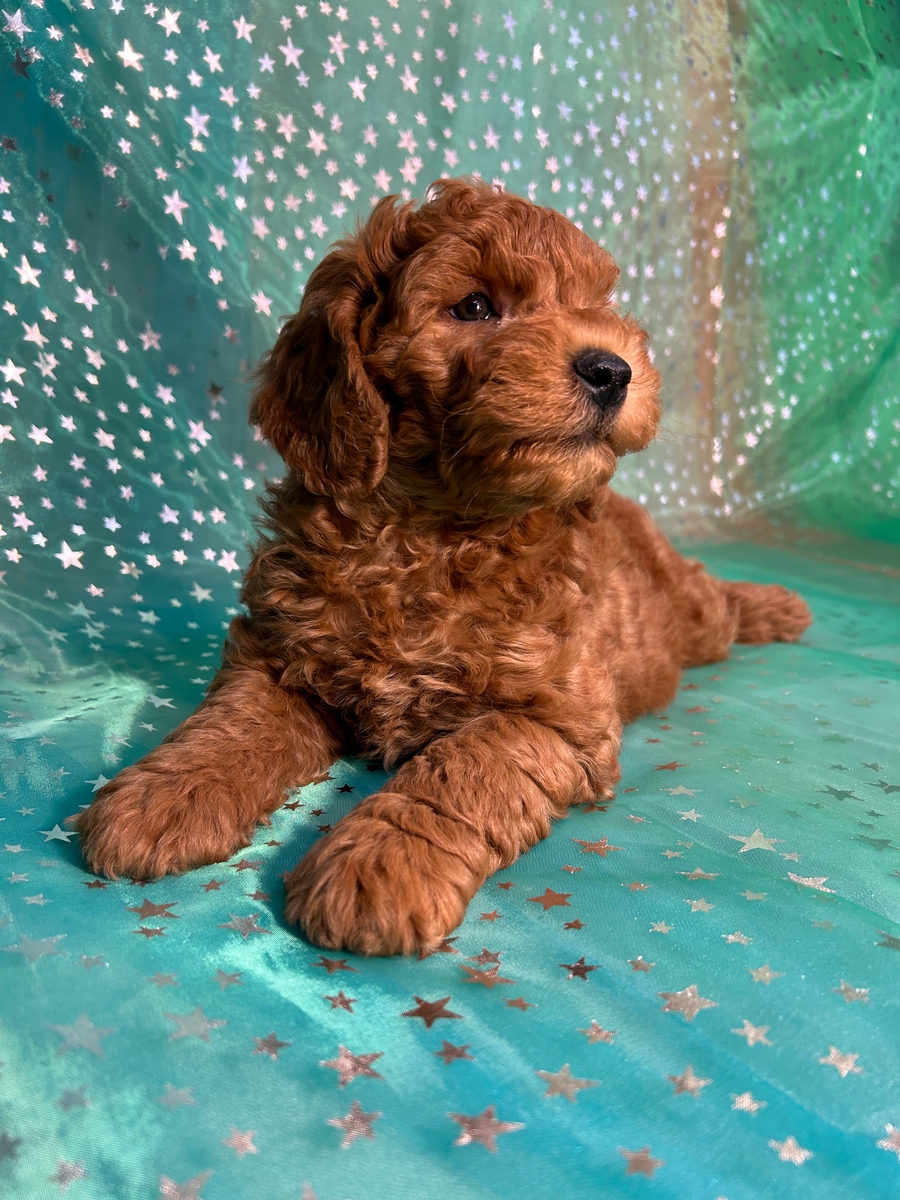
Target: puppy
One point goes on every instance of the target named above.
(445, 582)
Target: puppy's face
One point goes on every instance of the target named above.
(487, 331)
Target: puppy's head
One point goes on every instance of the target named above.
(469, 350)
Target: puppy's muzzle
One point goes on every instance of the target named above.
(605, 376)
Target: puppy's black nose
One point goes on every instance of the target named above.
(607, 376)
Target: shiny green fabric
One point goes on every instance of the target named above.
(690, 992)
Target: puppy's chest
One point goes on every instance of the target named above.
(437, 644)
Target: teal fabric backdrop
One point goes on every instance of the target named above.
(690, 992)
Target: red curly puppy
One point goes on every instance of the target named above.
(446, 581)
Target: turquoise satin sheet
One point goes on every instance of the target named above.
(689, 992)
(711, 959)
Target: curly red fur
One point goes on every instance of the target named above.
(445, 580)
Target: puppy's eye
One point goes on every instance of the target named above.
(474, 307)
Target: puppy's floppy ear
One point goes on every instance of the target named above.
(314, 401)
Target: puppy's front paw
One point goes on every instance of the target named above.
(149, 822)
(373, 887)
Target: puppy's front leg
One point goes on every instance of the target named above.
(197, 798)
(397, 873)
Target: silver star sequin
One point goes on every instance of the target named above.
(174, 1097)
(688, 1001)
(851, 993)
(485, 1128)
(170, 1190)
(192, 1024)
(83, 1035)
(269, 1045)
(596, 1033)
(9, 1145)
(244, 925)
(844, 1064)
(67, 1173)
(564, 1083)
(755, 841)
(755, 1034)
(33, 950)
(815, 882)
(892, 1141)
(348, 1065)
(641, 1162)
(241, 1143)
(356, 1124)
(764, 974)
(74, 1099)
(790, 1150)
(687, 1081)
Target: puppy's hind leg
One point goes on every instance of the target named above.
(766, 612)
(715, 613)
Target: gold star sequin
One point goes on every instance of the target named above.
(844, 1064)
(687, 1081)
(341, 1001)
(790, 1150)
(241, 1143)
(489, 978)
(688, 1001)
(578, 970)
(486, 956)
(640, 1161)
(601, 847)
(333, 964)
(851, 993)
(348, 1065)
(432, 1010)
(450, 1053)
(170, 1190)
(755, 841)
(764, 974)
(551, 899)
(192, 1024)
(485, 1128)
(564, 1083)
(816, 882)
(892, 1141)
(596, 1033)
(356, 1124)
(269, 1045)
(444, 946)
(149, 909)
(753, 1033)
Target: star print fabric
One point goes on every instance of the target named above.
(687, 992)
